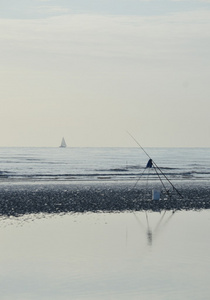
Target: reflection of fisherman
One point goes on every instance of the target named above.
(149, 237)
(149, 164)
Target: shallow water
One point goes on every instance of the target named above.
(106, 256)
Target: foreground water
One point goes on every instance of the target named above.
(50, 250)
(106, 256)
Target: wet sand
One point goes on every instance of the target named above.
(17, 199)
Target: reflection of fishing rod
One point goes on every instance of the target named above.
(149, 231)
(152, 162)
(151, 234)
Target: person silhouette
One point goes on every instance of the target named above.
(149, 164)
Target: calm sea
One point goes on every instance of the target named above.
(104, 256)
(98, 163)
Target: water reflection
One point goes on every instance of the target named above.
(106, 256)
(163, 220)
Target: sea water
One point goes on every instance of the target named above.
(98, 163)
(128, 255)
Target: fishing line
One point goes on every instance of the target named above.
(168, 180)
(167, 192)
(139, 178)
(147, 182)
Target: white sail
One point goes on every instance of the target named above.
(63, 143)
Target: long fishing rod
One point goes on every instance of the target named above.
(156, 165)
(138, 144)
(168, 180)
(167, 192)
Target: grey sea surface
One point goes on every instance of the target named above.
(72, 224)
(94, 164)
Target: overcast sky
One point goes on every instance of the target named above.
(91, 70)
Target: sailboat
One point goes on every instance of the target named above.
(63, 143)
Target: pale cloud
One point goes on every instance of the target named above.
(190, 1)
(25, 9)
(50, 9)
(106, 35)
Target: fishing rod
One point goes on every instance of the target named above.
(138, 144)
(167, 192)
(155, 165)
(139, 178)
(168, 181)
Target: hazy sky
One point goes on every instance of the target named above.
(90, 70)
